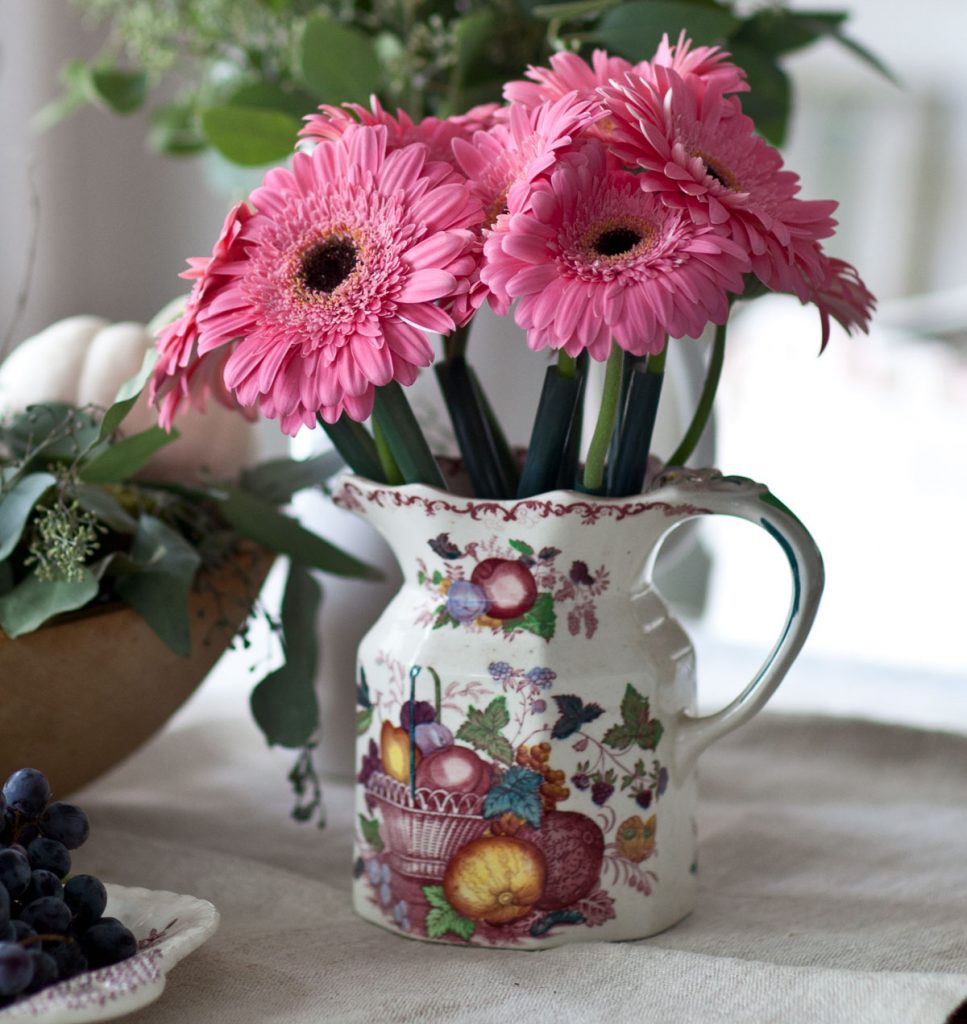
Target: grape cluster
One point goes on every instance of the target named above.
(52, 926)
(552, 789)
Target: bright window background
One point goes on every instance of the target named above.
(869, 443)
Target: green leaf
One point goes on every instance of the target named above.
(106, 508)
(866, 55)
(370, 830)
(525, 549)
(250, 136)
(263, 95)
(634, 29)
(337, 62)
(442, 918)
(364, 719)
(52, 430)
(32, 602)
(118, 89)
(159, 593)
(127, 395)
(482, 729)
(284, 703)
(16, 506)
(637, 724)
(115, 463)
(75, 77)
(262, 522)
(770, 100)
(174, 131)
(575, 9)
(278, 480)
(776, 31)
(540, 618)
(517, 792)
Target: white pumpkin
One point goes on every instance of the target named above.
(85, 359)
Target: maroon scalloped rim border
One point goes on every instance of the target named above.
(350, 496)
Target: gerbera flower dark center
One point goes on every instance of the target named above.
(616, 241)
(327, 264)
(717, 171)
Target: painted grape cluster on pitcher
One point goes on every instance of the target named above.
(471, 830)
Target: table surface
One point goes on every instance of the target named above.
(833, 888)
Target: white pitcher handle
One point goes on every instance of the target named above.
(711, 492)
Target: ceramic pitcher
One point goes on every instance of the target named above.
(527, 735)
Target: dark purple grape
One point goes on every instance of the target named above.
(27, 791)
(580, 574)
(87, 898)
(643, 799)
(47, 915)
(581, 781)
(68, 956)
(423, 712)
(600, 792)
(8, 932)
(49, 855)
(42, 883)
(108, 942)
(16, 969)
(4, 906)
(14, 871)
(66, 823)
(500, 670)
(44, 970)
(22, 931)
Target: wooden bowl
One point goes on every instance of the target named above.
(83, 692)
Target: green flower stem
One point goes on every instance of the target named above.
(412, 454)
(357, 448)
(508, 461)
(626, 472)
(472, 429)
(567, 366)
(549, 437)
(390, 469)
(601, 438)
(704, 410)
(567, 476)
(455, 344)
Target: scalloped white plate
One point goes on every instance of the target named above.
(168, 927)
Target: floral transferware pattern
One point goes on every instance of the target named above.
(509, 588)
(471, 833)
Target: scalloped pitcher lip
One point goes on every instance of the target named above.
(561, 500)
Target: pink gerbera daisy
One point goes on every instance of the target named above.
(594, 258)
(568, 73)
(347, 256)
(180, 373)
(708, 65)
(502, 165)
(435, 133)
(843, 296)
(701, 154)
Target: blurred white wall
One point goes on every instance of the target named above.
(112, 222)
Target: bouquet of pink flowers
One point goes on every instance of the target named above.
(610, 206)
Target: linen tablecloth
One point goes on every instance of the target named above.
(833, 890)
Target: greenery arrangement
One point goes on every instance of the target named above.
(238, 75)
(82, 525)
